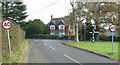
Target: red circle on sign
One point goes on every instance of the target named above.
(111, 30)
(9, 22)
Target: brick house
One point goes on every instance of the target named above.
(70, 30)
(57, 26)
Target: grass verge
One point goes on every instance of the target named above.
(101, 47)
(19, 55)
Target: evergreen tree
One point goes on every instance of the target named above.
(15, 11)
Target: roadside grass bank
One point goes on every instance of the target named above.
(99, 47)
(19, 55)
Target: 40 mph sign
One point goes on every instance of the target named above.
(6, 24)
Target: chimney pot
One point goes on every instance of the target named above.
(51, 17)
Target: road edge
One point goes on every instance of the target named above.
(94, 52)
(26, 52)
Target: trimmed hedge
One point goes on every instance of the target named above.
(47, 36)
(109, 38)
(16, 37)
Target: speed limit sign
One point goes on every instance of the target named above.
(7, 24)
(112, 28)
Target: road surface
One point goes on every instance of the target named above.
(53, 51)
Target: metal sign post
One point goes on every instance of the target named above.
(93, 35)
(112, 28)
(112, 42)
(9, 43)
(7, 24)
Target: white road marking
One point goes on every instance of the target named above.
(71, 58)
(45, 43)
(36, 40)
(52, 48)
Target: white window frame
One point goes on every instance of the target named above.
(52, 26)
(61, 27)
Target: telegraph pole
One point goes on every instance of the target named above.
(76, 24)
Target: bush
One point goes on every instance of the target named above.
(47, 36)
(109, 38)
(16, 37)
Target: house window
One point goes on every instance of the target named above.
(61, 27)
(52, 26)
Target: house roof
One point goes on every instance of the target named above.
(57, 21)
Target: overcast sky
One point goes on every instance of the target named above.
(38, 9)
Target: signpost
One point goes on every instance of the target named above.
(7, 24)
(112, 29)
(93, 34)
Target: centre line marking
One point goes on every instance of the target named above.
(45, 43)
(52, 48)
(71, 58)
(36, 40)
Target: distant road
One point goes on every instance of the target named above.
(53, 51)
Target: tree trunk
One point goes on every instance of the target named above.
(77, 37)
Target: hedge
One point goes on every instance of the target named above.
(109, 38)
(16, 37)
(47, 36)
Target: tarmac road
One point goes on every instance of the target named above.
(53, 51)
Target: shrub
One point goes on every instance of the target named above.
(47, 36)
(16, 37)
(109, 38)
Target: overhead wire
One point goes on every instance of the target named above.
(45, 8)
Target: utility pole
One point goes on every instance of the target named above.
(76, 24)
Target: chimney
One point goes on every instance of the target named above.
(51, 17)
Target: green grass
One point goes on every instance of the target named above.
(101, 47)
(19, 55)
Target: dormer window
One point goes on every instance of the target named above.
(61, 27)
(52, 26)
